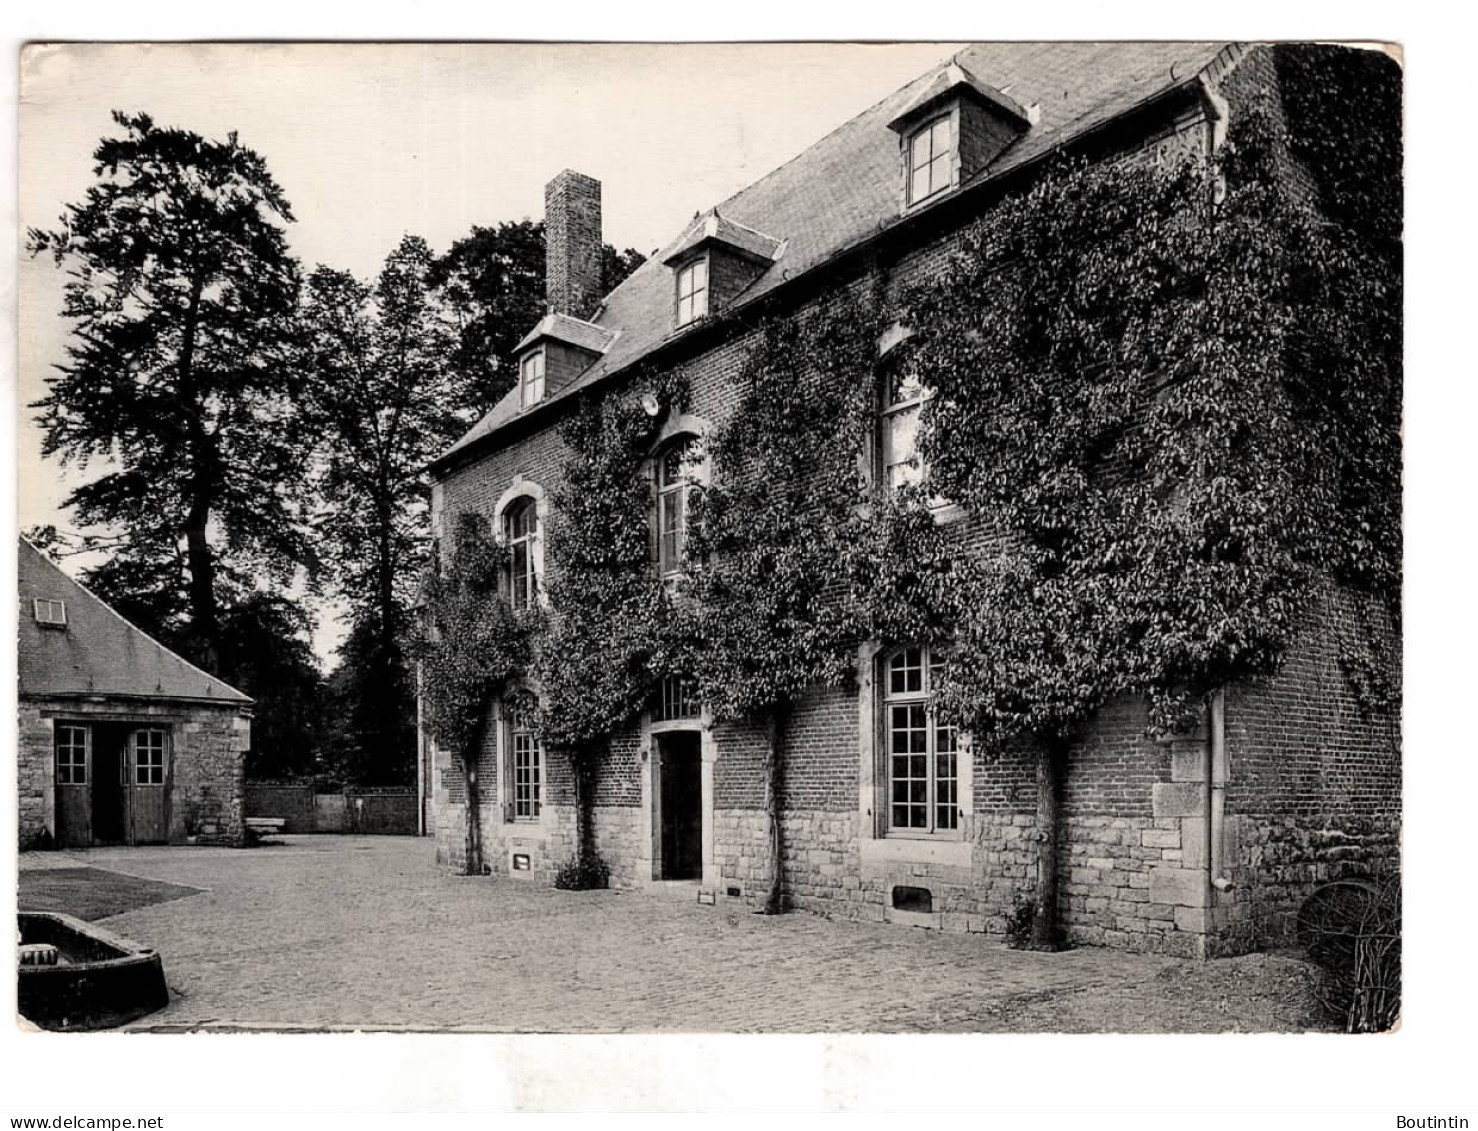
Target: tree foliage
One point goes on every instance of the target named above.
(180, 294)
(381, 401)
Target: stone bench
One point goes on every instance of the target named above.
(259, 827)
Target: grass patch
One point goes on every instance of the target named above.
(92, 893)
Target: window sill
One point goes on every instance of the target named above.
(916, 850)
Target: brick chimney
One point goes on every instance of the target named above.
(572, 242)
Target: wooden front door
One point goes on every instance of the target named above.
(72, 748)
(149, 777)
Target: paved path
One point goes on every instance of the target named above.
(367, 932)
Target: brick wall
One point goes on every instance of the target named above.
(290, 801)
(1314, 784)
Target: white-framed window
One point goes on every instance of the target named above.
(49, 612)
(929, 159)
(521, 533)
(71, 754)
(903, 396)
(692, 291)
(148, 757)
(531, 379)
(525, 758)
(678, 469)
(921, 756)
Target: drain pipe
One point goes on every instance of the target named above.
(1216, 788)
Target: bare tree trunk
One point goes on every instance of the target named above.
(474, 822)
(200, 455)
(205, 625)
(775, 737)
(584, 808)
(1051, 765)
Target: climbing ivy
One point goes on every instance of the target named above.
(1172, 394)
(769, 610)
(469, 644)
(598, 656)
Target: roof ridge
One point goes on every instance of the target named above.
(149, 636)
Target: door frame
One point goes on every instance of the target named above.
(649, 862)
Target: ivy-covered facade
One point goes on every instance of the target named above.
(847, 563)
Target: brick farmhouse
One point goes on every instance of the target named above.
(121, 741)
(1198, 845)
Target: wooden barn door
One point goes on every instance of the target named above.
(149, 766)
(73, 750)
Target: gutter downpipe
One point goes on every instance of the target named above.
(420, 755)
(1216, 786)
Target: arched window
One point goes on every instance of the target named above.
(922, 754)
(521, 533)
(678, 469)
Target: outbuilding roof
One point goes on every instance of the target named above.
(96, 652)
(843, 190)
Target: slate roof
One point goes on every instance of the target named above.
(712, 227)
(586, 335)
(98, 653)
(945, 82)
(844, 189)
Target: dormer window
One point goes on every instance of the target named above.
(692, 291)
(952, 130)
(929, 160)
(49, 613)
(531, 379)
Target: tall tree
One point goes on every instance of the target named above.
(383, 403)
(180, 294)
(494, 281)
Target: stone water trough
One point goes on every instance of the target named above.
(75, 975)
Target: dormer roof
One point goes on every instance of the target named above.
(952, 81)
(712, 228)
(572, 331)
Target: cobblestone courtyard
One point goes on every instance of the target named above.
(365, 932)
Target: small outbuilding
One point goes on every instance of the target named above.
(121, 741)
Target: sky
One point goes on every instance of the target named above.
(372, 141)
